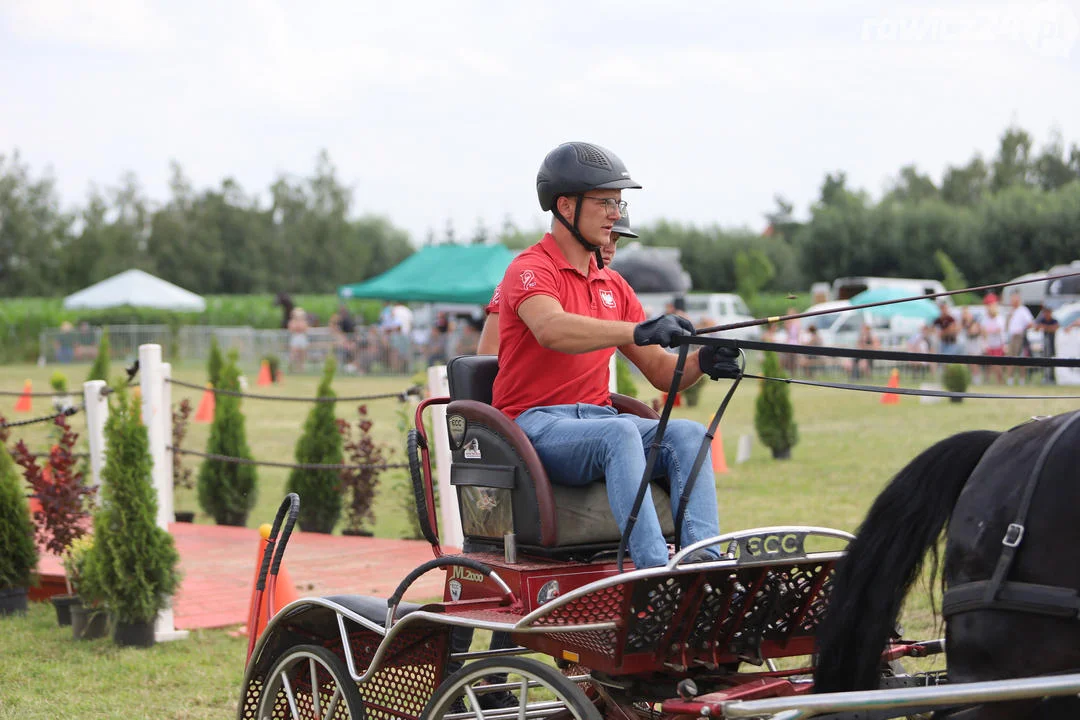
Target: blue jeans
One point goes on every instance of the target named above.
(580, 444)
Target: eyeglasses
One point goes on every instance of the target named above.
(610, 204)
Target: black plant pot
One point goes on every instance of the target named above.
(12, 601)
(185, 516)
(956, 399)
(63, 604)
(88, 623)
(357, 533)
(137, 634)
(781, 454)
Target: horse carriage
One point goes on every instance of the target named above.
(733, 637)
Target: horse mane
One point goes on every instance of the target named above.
(885, 558)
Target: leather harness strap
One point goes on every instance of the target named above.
(996, 593)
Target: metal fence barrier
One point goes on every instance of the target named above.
(370, 351)
(367, 351)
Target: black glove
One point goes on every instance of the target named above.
(662, 330)
(719, 362)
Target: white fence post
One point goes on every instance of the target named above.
(166, 419)
(97, 412)
(157, 415)
(450, 532)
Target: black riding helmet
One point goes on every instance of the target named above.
(622, 227)
(574, 168)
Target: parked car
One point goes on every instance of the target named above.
(706, 309)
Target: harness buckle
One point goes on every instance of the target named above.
(1013, 535)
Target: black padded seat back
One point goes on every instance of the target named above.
(472, 377)
(502, 486)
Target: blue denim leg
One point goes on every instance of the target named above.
(682, 440)
(579, 444)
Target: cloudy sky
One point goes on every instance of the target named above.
(443, 110)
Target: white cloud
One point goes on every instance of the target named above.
(118, 25)
(435, 110)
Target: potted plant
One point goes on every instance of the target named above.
(133, 561)
(956, 379)
(88, 616)
(360, 481)
(64, 502)
(20, 555)
(773, 415)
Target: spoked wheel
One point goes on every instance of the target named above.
(531, 690)
(310, 683)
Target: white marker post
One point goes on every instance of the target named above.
(450, 532)
(157, 416)
(97, 412)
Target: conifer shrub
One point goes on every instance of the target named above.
(214, 363)
(134, 562)
(100, 369)
(226, 489)
(774, 417)
(19, 555)
(320, 491)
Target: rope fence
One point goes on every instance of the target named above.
(66, 412)
(291, 466)
(404, 395)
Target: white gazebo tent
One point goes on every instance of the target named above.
(138, 289)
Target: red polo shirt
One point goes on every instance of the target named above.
(532, 376)
(493, 306)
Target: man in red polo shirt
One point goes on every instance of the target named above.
(563, 315)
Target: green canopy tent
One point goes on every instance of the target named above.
(439, 274)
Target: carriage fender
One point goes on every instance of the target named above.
(303, 621)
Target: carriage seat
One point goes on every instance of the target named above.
(503, 487)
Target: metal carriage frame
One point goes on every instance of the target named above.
(653, 643)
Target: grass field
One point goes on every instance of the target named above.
(850, 445)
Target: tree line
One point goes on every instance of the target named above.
(214, 241)
(987, 220)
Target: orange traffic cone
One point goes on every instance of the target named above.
(719, 462)
(284, 590)
(25, 403)
(205, 412)
(894, 381)
(264, 374)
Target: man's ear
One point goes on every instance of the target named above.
(566, 205)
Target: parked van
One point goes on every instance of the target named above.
(846, 288)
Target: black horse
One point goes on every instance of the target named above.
(1005, 618)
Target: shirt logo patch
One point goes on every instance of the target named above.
(528, 280)
(608, 298)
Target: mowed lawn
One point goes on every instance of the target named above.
(849, 446)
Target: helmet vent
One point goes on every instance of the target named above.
(592, 155)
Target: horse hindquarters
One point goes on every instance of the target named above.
(995, 644)
(884, 559)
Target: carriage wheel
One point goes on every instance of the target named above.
(531, 690)
(310, 683)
